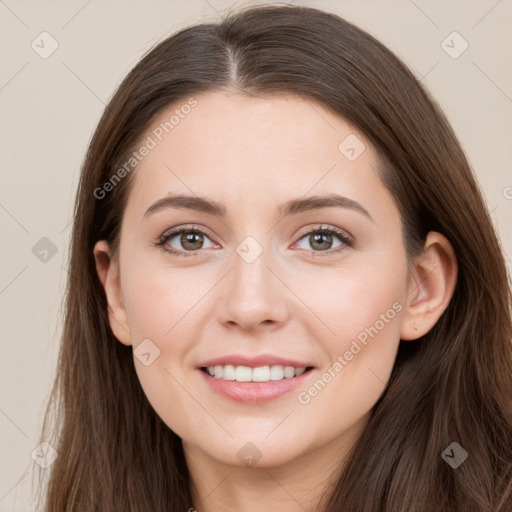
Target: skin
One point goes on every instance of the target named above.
(251, 155)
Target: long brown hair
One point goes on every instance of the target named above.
(452, 385)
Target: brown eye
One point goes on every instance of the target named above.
(324, 240)
(185, 241)
(320, 241)
(191, 240)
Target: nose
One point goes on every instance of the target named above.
(253, 295)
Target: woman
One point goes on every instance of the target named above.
(284, 287)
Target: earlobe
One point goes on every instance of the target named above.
(108, 274)
(432, 283)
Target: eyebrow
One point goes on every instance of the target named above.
(291, 207)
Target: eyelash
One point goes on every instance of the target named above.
(162, 241)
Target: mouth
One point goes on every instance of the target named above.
(254, 380)
(241, 373)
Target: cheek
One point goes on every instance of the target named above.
(162, 305)
(360, 307)
(349, 300)
(159, 299)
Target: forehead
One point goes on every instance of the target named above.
(251, 147)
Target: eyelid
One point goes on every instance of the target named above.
(187, 227)
(326, 227)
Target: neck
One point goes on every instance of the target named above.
(297, 485)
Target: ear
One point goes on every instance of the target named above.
(108, 273)
(431, 284)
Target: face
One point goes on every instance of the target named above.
(300, 302)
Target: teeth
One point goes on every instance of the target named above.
(289, 372)
(242, 374)
(228, 372)
(259, 374)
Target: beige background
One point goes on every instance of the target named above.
(49, 109)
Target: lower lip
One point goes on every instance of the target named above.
(254, 392)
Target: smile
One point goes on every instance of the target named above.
(253, 379)
(258, 374)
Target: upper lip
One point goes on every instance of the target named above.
(253, 361)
